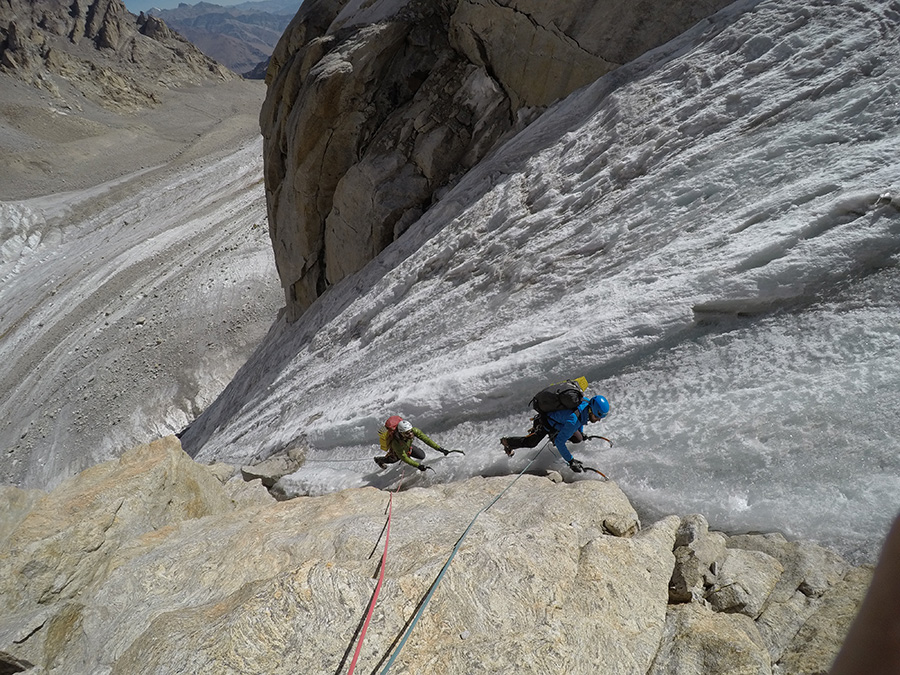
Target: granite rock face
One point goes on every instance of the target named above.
(374, 110)
(151, 563)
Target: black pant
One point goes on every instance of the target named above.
(536, 434)
(414, 452)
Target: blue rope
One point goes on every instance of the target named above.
(449, 560)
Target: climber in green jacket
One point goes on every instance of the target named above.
(400, 445)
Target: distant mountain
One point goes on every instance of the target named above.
(98, 51)
(240, 37)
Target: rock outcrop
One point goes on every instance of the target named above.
(152, 564)
(373, 111)
(99, 50)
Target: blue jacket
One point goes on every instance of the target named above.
(564, 423)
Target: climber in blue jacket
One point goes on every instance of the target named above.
(562, 426)
(568, 425)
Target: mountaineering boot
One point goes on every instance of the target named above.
(508, 450)
(381, 462)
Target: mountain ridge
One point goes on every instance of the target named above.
(241, 37)
(100, 51)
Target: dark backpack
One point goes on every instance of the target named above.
(566, 395)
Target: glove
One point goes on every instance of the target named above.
(445, 452)
(576, 466)
(422, 467)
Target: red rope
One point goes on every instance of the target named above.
(365, 627)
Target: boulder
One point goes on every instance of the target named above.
(811, 651)
(698, 641)
(744, 582)
(282, 463)
(223, 471)
(808, 571)
(245, 493)
(699, 554)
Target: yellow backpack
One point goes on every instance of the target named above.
(387, 431)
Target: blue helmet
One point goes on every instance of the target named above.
(599, 406)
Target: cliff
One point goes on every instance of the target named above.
(155, 564)
(373, 111)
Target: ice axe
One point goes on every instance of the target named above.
(590, 468)
(602, 438)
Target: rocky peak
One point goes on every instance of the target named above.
(154, 27)
(98, 49)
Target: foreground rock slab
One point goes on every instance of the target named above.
(152, 564)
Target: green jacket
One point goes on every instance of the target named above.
(400, 446)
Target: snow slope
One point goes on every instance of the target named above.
(127, 308)
(709, 234)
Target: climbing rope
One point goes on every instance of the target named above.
(371, 608)
(440, 575)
